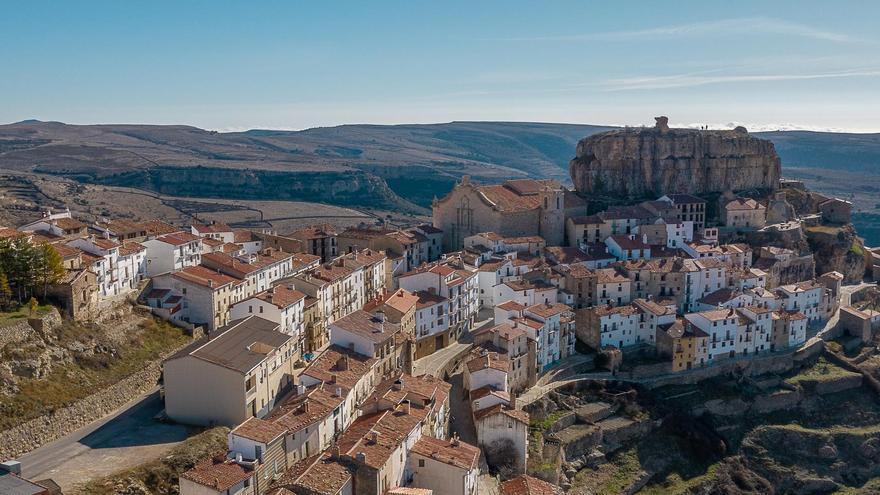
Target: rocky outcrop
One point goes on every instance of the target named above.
(639, 162)
(838, 249)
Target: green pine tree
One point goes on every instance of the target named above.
(49, 265)
(5, 292)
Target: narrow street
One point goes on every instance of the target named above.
(121, 440)
(436, 362)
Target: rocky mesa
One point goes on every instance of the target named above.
(640, 162)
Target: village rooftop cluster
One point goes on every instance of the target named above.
(307, 343)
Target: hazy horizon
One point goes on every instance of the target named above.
(236, 66)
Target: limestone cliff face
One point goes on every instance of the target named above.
(839, 249)
(656, 161)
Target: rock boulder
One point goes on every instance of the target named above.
(640, 162)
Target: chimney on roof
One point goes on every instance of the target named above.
(407, 407)
(335, 451)
(380, 316)
(333, 378)
(361, 457)
(455, 442)
(305, 406)
(398, 384)
(342, 363)
(374, 436)
(338, 392)
(238, 458)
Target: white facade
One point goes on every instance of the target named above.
(167, 254)
(722, 327)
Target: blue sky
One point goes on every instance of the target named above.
(236, 65)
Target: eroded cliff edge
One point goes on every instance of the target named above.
(650, 162)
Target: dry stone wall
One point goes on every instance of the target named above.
(55, 424)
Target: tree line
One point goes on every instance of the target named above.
(27, 270)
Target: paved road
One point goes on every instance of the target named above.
(121, 440)
(434, 363)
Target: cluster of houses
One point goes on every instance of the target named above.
(306, 342)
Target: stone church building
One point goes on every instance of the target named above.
(520, 207)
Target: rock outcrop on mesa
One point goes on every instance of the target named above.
(650, 162)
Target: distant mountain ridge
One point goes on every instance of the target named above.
(416, 161)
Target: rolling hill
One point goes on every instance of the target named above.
(399, 166)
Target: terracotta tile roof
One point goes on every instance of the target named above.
(455, 452)
(719, 296)
(717, 314)
(489, 390)
(66, 251)
(281, 296)
(505, 330)
(130, 247)
(515, 414)
(610, 276)
(508, 198)
(178, 238)
(204, 276)
(69, 223)
(400, 300)
(210, 241)
(629, 242)
(546, 310)
(241, 235)
(258, 430)
(158, 227)
(527, 485)
(212, 228)
(653, 307)
(367, 326)
(218, 473)
(121, 226)
(348, 367)
(325, 477)
(511, 306)
(104, 243)
(744, 204)
(391, 428)
(314, 232)
(300, 411)
(7, 233)
(407, 490)
(491, 360)
(789, 315)
(426, 299)
(423, 391)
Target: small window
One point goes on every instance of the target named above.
(421, 463)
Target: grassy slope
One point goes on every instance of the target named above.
(69, 383)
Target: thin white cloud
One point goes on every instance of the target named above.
(737, 26)
(692, 80)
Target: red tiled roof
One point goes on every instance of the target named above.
(527, 485)
(281, 296)
(455, 452)
(218, 473)
(258, 430)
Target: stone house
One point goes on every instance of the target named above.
(523, 207)
(683, 343)
(318, 240)
(744, 213)
(511, 340)
(836, 210)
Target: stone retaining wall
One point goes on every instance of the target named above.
(19, 331)
(54, 425)
(22, 330)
